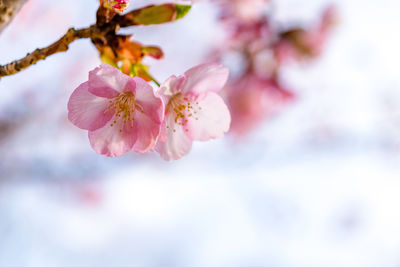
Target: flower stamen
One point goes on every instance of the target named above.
(125, 106)
(183, 109)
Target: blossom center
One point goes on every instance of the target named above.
(183, 108)
(125, 106)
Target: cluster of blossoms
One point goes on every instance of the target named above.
(121, 110)
(123, 113)
(257, 91)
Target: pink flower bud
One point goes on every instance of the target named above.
(118, 6)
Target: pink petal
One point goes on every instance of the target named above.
(148, 102)
(173, 85)
(86, 110)
(148, 115)
(130, 85)
(205, 77)
(110, 141)
(146, 131)
(213, 118)
(174, 144)
(107, 81)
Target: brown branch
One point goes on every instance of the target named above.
(39, 54)
(102, 34)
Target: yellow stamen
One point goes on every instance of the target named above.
(125, 107)
(183, 109)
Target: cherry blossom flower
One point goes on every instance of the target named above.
(298, 44)
(194, 110)
(252, 99)
(121, 113)
(118, 6)
(249, 10)
(244, 11)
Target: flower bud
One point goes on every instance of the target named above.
(118, 6)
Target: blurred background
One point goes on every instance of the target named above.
(317, 184)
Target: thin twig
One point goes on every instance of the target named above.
(39, 54)
(101, 33)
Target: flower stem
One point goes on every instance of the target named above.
(150, 76)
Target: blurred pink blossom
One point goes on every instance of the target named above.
(121, 113)
(259, 50)
(251, 99)
(246, 11)
(298, 44)
(194, 110)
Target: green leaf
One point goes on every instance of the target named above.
(154, 15)
(181, 11)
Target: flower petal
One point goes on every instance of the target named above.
(86, 110)
(205, 77)
(175, 143)
(130, 85)
(173, 85)
(212, 119)
(107, 81)
(148, 102)
(146, 131)
(149, 113)
(110, 141)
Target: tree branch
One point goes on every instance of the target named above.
(39, 54)
(102, 33)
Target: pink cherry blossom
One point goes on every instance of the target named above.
(194, 110)
(121, 113)
(249, 10)
(243, 11)
(252, 99)
(299, 44)
(118, 6)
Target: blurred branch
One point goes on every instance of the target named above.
(8, 9)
